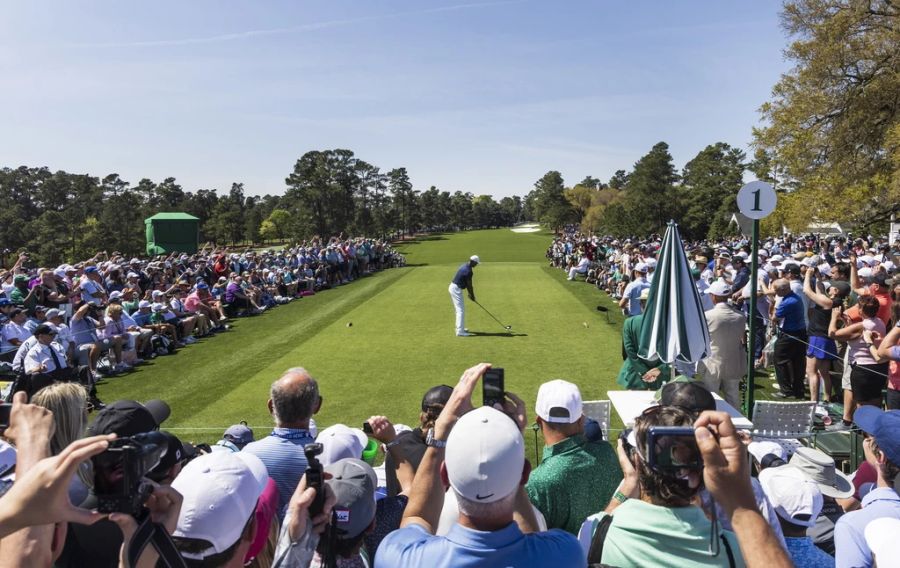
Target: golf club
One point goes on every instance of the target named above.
(506, 327)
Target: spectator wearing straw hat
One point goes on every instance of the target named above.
(833, 484)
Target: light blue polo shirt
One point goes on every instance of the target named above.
(850, 548)
(464, 547)
(284, 458)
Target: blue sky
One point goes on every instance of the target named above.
(475, 96)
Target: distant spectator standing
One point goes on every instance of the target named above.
(726, 364)
(790, 347)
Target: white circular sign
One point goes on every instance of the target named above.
(756, 199)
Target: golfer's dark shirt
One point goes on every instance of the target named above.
(463, 276)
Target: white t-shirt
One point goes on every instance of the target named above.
(88, 289)
(11, 331)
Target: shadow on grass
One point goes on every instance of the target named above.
(498, 334)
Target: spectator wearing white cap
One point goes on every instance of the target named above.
(480, 454)
(726, 364)
(462, 280)
(575, 474)
(833, 484)
(798, 502)
(217, 523)
(881, 536)
(631, 296)
(339, 442)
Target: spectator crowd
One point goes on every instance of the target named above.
(104, 316)
(682, 487)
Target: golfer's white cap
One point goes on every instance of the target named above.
(485, 454)
(719, 288)
(640, 267)
(474, 258)
(795, 497)
(339, 442)
(881, 536)
(559, 401)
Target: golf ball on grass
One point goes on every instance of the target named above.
(349, 324)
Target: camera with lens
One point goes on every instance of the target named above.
(119, 472)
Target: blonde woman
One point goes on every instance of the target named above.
(68, 403)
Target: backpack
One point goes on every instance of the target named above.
(161, 345)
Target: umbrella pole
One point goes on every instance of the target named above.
(751, 341)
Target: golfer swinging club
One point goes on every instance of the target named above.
(463, 279)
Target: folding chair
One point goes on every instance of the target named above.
(598, 410)
(784, 423)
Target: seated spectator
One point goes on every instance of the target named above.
(580, 268)
(39, 316)
(293, 399)
(484, 464)
(798, 503)
(13, 334)
(217, 524)
(881, 443)
(575, 474)
(90, 287)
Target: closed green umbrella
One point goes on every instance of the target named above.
(674, 326)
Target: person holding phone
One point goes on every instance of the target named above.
(463, 281)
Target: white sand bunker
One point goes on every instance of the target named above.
(526, 228)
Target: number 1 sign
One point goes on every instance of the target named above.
(756, 199)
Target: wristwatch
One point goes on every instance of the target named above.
(430, 441)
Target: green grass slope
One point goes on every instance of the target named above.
(401, 341)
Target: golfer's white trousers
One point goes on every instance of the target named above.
(456, 294)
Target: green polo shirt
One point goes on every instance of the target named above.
(576, 479)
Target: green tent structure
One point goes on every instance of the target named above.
(172, 232)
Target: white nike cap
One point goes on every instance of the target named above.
(474, 258)
(485, 454)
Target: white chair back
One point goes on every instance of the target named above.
(783, 419)
(599, 410)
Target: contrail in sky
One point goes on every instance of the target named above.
(249, 34)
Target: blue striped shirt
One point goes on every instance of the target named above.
(282, 454)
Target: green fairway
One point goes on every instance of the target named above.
(401, 341)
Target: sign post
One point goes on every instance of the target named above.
(755, 200)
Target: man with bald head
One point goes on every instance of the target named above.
(293, 399)
(790, 347)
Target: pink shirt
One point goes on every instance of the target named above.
(859, 351)
(192, 302)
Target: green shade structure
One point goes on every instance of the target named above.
(674, 326)
(172, 232)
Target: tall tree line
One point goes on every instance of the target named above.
(641, 201)
(61, 216)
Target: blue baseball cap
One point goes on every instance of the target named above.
(202, 286)
(884, 427)
(90, 269)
